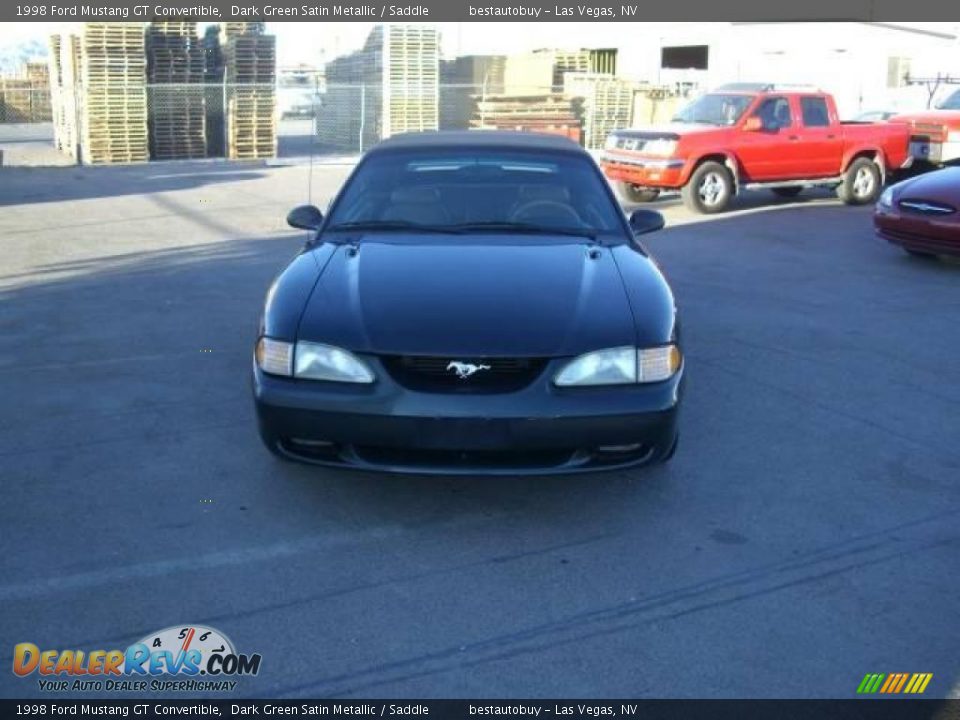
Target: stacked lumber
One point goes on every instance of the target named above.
(551, 113)
(250, 69)
(114, 102)
(176, 95)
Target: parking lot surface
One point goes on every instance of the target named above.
(806, 533)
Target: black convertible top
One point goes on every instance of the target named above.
(465, 139)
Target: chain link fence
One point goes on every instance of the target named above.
(191, 121)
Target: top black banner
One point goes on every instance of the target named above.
(476, 10)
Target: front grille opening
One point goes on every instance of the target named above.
(463, 375)
(311, 449)
(464, 459)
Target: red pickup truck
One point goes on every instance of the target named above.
(747, 136)
(935, 133)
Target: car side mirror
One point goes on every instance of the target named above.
(646, 221)
(753, 124)
(305, 217)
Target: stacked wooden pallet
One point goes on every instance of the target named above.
(607, 104)
(25, 97)
(551, 113)
(214, 93)
(250, 74)
(55, 73)
(411, 74)
(69, 91)
(235, 29)
(114, 101)
(176, 95)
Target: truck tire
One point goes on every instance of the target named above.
(861, 183)
(709, 189)
(636, 193)
(787, 192)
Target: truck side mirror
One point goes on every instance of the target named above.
(753, 124)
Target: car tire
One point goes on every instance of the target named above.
(787, 192)
(636, 193)
(861, 183)
(709, 189)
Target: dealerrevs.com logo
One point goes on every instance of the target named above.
(190, 658)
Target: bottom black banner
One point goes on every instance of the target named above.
(866, 709)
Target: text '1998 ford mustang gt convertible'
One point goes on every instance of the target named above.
(474, 302)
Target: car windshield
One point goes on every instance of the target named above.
(478, 190)
(715, 109)
(952, 102)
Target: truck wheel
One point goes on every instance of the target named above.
(709, 189)
(861, 183)
(637, 193)
(787, 192)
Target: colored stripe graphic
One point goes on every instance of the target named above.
(894, 683)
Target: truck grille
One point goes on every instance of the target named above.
(440, 374)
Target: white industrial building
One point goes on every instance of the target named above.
(865, 65)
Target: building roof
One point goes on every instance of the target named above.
(479, 139)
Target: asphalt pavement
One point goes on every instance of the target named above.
(806, 533)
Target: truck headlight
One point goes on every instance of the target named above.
(620, 366)
(660, 148)
(315, 361)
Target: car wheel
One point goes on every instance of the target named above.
(637, 193)
(787, 192)
(709, 189)
(861, 183)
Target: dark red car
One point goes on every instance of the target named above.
(922, 214)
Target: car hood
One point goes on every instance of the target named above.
(942, 186)
(668, 131)
(471, 296)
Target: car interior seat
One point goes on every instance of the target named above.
(422, 205)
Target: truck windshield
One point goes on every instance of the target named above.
(715, 109)
(477, 190)
(952, 102)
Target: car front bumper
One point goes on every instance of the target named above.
(538, 430)
(665, 173)
(919, 233)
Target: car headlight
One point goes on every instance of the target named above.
(611, 142)
(620, 366)
(886, 198)
(311, 361)
(662, 148)
(314, 361)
